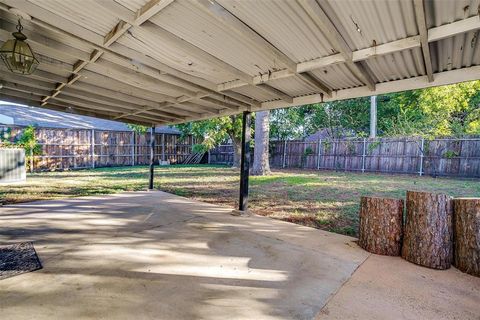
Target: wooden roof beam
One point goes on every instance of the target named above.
(148, 108)
(150, 9)
(153, 5)
(422, 29)
(454, 28)
(322, 20)
(175, 76)
(238, 26)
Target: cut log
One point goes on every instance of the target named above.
(467, 235)
(381, 222)
(428, 233)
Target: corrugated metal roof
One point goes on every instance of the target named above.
(399, 65)
(337, 76)
(208, 47)
(292, 86)
(203, 30)
(87, 13)
(363, 22)
(167, 52)
(132, 5)
(285, 25)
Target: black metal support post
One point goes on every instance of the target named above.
(152, 157)
(245, 161)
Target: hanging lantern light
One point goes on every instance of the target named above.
(17, 54)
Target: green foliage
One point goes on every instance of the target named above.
(373, 145)
(198, 148)
(29, 142)
(449, 154)
(327, 144)
(5, 135)
(212, 132)
(137, 128)
(351, 147)
(308, 151)
(452, 110)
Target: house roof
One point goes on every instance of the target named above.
(172, 61)
(25, 116)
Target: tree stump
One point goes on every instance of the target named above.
(428, 234)
(467, 235)
(381, 222)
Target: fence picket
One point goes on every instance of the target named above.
(448, 157)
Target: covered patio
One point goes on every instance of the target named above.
(153, 255)
(150, 62)
(154, 62)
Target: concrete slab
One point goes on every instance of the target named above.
(152, 255)
(392, 288)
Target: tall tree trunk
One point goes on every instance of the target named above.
(237, 151)
(261, 165)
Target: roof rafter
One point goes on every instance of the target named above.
(239, 27)
(100, 50)
(422, 29)
(322, 20)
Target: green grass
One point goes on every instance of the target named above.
(326, 200)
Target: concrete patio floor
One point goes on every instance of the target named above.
(153, 255)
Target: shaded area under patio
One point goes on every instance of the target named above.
(156, 255)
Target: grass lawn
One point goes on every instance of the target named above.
(326, 200)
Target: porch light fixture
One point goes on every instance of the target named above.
(17, 54)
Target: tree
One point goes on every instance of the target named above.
(137, 128)
(261, 165)
(212, 132)
(451, 110)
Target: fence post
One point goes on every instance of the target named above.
(284, 152)
(318, 153)
(75, 143)
(92, 147)
(421, 157)
(31, 160)
(304, 155)
(133, 148)
(163, 147)
(364, 154)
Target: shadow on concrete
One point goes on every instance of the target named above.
(155, 255)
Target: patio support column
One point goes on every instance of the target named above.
(245, 161)
(152, 157)
(373, 116)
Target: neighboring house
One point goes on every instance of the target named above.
(71, 141)
(43, 118)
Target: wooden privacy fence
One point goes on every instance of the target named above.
(89, 148)
(459, 157)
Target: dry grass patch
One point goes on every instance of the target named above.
(326, 200)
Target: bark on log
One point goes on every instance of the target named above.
(428, 234)
(467, 235)
(381, 222)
